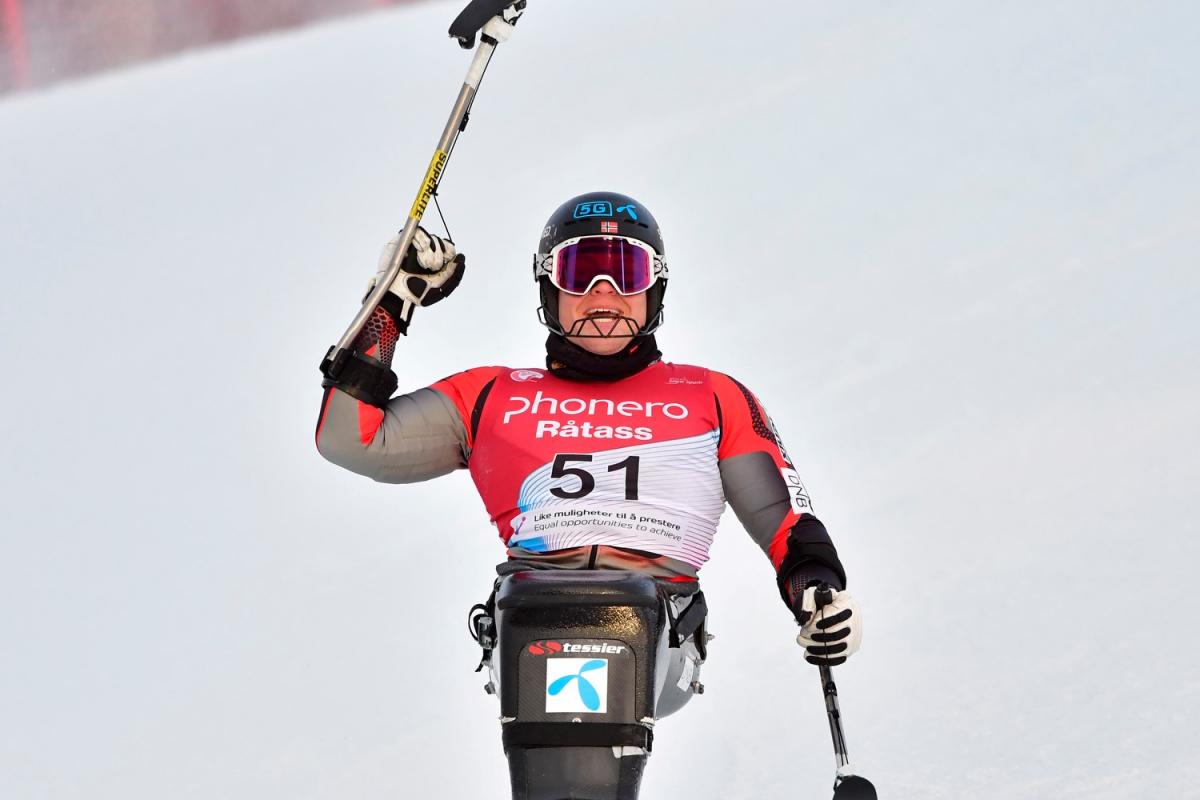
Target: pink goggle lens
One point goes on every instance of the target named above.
(629, 266)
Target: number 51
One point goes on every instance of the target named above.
(587, 482)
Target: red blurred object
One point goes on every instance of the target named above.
(48, 41)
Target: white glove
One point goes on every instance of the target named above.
(832, 633)
(431, 269)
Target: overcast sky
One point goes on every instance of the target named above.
(952, 247)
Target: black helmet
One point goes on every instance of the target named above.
(600, 214)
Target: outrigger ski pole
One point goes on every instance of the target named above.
(847, 785)
(496, 19)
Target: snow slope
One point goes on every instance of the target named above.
(952, 248)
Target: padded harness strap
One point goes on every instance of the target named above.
(692, 617)
(576, 734)
(482, 627)
(690, 622)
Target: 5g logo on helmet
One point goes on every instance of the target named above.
(594, 208)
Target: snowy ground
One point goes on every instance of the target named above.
(955, 251)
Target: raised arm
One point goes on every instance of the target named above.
(411, 437)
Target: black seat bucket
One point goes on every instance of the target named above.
(576, 661)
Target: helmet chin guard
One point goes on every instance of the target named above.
(589, 327)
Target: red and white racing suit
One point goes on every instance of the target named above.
(628, 474)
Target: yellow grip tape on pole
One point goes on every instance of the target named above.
(436, 165)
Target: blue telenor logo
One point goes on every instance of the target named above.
(629, 209)
(596, 208)
(587, 692)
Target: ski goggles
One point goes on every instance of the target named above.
(575, 265)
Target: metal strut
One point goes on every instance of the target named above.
(496, 18)
(847, 785)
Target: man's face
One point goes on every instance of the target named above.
(605, 305)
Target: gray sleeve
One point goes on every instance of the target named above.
(757, 494)
(420, 436)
